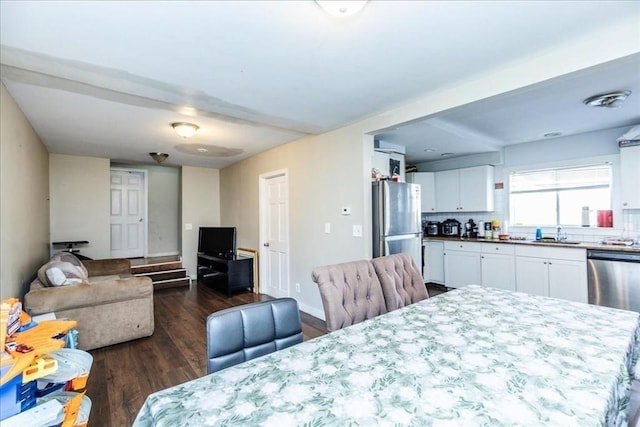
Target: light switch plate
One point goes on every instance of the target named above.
(188, 226)
(327, 228)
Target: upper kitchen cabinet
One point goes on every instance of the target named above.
(465, 190)
(630, 177)
(389, 163)
(427, 189)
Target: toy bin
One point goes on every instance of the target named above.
(64, 397)
(72, 373)
(10, 403)
(16, 397)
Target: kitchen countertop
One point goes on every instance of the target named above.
(600, 246)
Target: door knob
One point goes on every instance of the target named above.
(266, 245)
(139, 219)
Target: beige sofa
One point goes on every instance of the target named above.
(355, 291)
(111, 308)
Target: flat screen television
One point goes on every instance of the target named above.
(217, 241)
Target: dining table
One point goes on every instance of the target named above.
(473, 356)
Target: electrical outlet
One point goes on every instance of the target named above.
(357, 230)
(297, 287)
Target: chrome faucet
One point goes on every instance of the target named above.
(559, 236)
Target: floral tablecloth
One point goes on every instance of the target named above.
(472, 356)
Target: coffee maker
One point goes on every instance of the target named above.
(470, 229)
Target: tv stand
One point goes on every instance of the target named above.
(228, 273)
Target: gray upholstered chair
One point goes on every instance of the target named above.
(401, 281)
(350, 293)
(242, 333)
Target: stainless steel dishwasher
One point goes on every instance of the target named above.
(614, 278)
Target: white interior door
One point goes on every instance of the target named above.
(274, 230)
(128, 213)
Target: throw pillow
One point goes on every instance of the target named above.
(60, 273)
(69, 257)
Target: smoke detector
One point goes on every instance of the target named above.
(607, 100)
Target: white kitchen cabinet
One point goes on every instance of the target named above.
(532, 276)
(462, 264)
(382, 161)
(568, 280)
(465, 190)
(630, 177)
(427, 189)
(498, 266)
(555, 272)
(434, 262)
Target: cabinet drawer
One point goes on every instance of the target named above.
(551, 252)
(498, 248)
(462, 246)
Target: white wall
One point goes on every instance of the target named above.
(326, 172)
(24, 199)
(200, 190)
(81, 202)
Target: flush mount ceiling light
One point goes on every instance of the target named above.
(184, 129)
(342, 8)
(159, 157)
(607, 100)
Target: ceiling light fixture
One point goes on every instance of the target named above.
(430, 150)
(342, 8)
(184, 129)
(607, 100)
(159, 157)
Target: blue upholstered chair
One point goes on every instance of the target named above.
(242, 333)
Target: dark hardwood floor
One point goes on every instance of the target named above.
(123, 375)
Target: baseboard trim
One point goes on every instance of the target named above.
(162, 254)
(312, 311)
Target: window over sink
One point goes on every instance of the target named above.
(551, 197)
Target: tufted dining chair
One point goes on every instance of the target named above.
(401, 281)
(242, 333)
(350, 293)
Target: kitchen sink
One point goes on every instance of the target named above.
(557, 242)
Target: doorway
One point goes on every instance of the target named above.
(128, 213)
(274, 233)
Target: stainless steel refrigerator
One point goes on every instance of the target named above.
(396, 219)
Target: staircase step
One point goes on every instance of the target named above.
(171, 283)
(150, 268)
(157, 276)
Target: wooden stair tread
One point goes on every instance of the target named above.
(164, 272)
(172, 283)
(149, 268)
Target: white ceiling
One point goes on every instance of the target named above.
(106, 79)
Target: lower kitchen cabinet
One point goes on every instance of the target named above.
(434, 262)
(498, 266)
(555, 272)
(537, 270)
(532, 276)
(462, 264)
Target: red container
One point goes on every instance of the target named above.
(605, 218)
